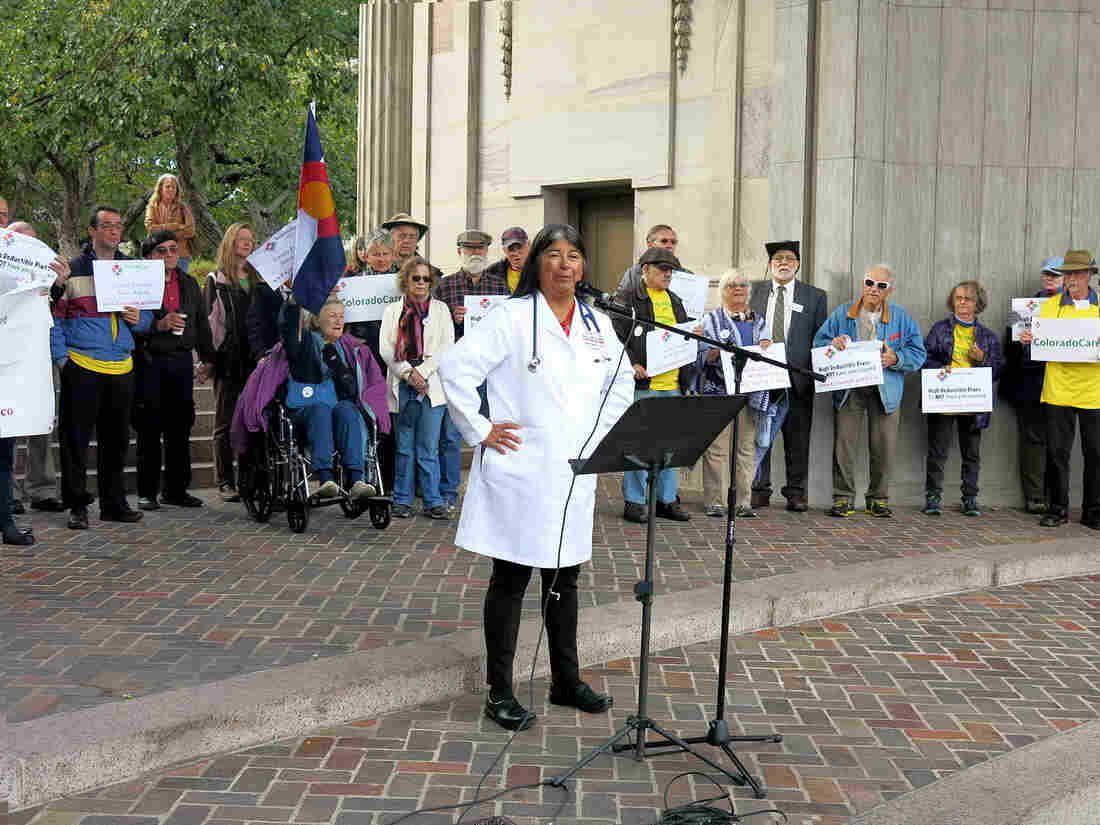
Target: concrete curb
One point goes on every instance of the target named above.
(1051, 782)
(68, 753)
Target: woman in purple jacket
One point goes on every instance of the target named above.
(959, 341)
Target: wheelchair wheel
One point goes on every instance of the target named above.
(380, 515)
(352, 509)
(256, 494)
(297, 511)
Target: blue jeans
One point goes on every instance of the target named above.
(450, 452)
(328, 427)
(634, 481)
(418, 440)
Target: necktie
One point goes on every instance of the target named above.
(779, 317)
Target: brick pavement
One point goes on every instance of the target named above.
(190, 597)
(871, 704)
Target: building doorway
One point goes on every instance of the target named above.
(606, 222)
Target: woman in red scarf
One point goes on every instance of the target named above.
(414, 334)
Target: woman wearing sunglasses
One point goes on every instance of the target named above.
(414, 334)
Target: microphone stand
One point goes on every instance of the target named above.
(717, 734)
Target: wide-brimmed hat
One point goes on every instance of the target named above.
(776, 246)
(401, 218)
(1077, 260)
(1050, 266)
(659, 255)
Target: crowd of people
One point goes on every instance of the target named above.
(114, 370)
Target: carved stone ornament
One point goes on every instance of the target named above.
(681, 31)
(506, 45)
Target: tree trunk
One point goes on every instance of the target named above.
(130, 218)
(208, 232)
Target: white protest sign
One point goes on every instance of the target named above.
(757, 375)
(960, 390)
(477, 307)
(1065, 339)
(1022, 310)
(26, 375)
(666, 350)
(24, 262)
(692, 290)
(859, 364)
(365, 297)
(120, 284)
(274, 258)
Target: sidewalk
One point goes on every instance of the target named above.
(872, 705)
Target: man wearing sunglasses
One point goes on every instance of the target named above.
(793, 311)
(871, 318)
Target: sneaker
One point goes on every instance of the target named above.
(361, 490)
(124, 514)
(452, 506)
(672, 511)
(933, 504)
(842, 508)
(78, 518)
(1054, 518)
(714, 511)
(228, 493)
(330, 489)
(146, 503)
(635, 513)
(1036, 507)
(181, 500)
(970, 506)
(745, 511)
(878, 508)
(18, 536)
(438, 512)
(401, 511)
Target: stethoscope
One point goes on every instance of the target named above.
(587, 316)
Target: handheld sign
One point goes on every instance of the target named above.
(477, 307)
(365, 297)
(666, 350)
(26, 377)
(120, 284)
(274, 258)
(1065, 339)
(1022, 311)
(692, 290)
(859, 364)
(24, 263)
(757, 375)
(959, 390)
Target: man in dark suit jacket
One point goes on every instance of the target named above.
(796, 311)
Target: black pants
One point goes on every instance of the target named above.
(164, 413)
(503, 609)
(226, 393)
(1061, 429)
(94, 401)
(1031, 418)
(796, 449)
(939, 442)
(7, 456)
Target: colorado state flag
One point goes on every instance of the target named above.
(318, 253)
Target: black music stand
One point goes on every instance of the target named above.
(655, 434)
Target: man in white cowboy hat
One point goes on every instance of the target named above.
(1071, 397)
(407, 232)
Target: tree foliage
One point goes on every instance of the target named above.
(103, 96)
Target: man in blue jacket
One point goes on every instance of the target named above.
(93, 351)
(872, 317)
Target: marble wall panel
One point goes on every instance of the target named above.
(1005, 135)
(1053, 94)
(867, 223)
(962, 86)
(912, 101)
(1086, 210)
(870, 128)
(907, 233)
(754, 212)
(1087, 150)
(1049, 203)
(785, 200)
(958, 230)
(789, 120)
(421, 117)
(1003, 231)
(833, 224)
(838, 24)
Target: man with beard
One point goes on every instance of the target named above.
(407, 233)
(471, 279)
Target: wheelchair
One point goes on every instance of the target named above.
(277, 476)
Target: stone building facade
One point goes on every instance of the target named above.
(953, 139)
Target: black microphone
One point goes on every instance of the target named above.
(585, 289)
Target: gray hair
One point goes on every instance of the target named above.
(732, 274)
(314, 321)
(891, 277)
(379, 237)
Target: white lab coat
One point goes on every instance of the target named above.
(514, 502)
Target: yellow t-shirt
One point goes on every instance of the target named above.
(513, 279)
(1067, 384)
(662, 312)
(964, 340)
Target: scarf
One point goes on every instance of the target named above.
(963, 323)
(410, 332)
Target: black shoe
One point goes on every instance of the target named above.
(16, 508)
(48, 505)
(1091, 523)
(181, 500)
(797, 504)
(761, 499)
(672, 511)
(19, 536)
(146, 503)
(78, 518)
(439, 512)
(635, 513)
(581, 697)
(507, 712)
(1055, 518)
(126, 515)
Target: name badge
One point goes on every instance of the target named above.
(1081, 304)
(797, 307)
(595, 342)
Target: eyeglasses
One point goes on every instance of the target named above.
(107, 227)
(664, 267)
(167, 250)
(1047, 274)
(421, 279)
(785, 259)
(736, 286)
(882, 285)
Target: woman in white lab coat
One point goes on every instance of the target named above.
(548, 361)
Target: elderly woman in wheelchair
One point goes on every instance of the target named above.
(324, 390)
